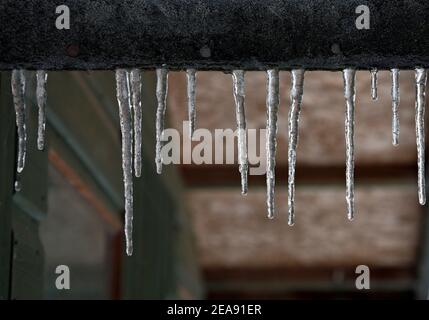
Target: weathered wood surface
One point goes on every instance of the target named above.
(321, 141)
(233, 231)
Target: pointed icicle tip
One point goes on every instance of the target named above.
(18, 185)
(273, 101)
(349, 76)
(296, 94)
(239, 96)
(374, 80)
(161, 95)
(124, 103)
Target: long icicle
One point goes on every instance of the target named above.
(421, 77)
(395, 106)
(42, 78)
(349, 76)
(374, 80)
(161, 95)
(18, 92)
(238, 88)
(191, 75)
(123, 96)
(273, 101)
(295, 109)
(136, 87)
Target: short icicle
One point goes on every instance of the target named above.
(395, 106)
(161, 95)
(18, 92)
(123, 96)
(295, 109)
(18, 184)
(191, 75)
(136, 87)
(238, 89)
(374, 80)
(349, 76)
(421, 78)
(42, 78)
(273, 101)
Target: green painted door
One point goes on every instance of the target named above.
(83, 130)
(21, 252)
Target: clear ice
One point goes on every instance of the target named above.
(273, 101)
(18, 184)
(395, 106)
(238, 89)
(123, 95)
(136, 87)
(42, 78)
(161, 95)
(349, 76)
(295, 109)
(421, 77)
(191, 77)
(18, 92)
(374, 76)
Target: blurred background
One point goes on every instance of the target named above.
(195, 235)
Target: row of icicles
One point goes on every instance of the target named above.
(128, 89)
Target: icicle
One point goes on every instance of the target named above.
(238, 82)
(191, 76)
(123, 95)
(42, 78)
(136, 87)
(349, 94)
(421, 77)
(161, 95)
(272, 110)
(374, 80)
(295, 109)
(18, 92)
(18, 184)
(395, 106)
